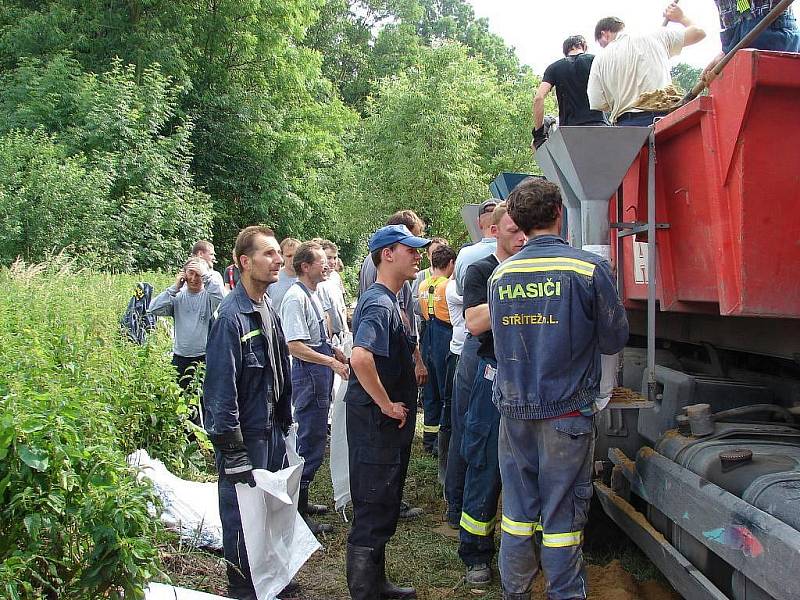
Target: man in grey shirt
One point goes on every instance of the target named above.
(314, 363)
(287, 275)
(191, 302)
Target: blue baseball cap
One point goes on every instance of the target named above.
(395, 234)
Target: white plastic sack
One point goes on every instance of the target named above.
(160, 591)
(190, 508)
(277, 539)
(339, 463)
(609, 369)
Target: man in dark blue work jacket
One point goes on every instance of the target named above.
(381, 405)
(554, 310)
(247, 391)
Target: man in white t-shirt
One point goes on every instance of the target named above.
(632, 65)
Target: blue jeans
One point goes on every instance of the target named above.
(782, 35)
(638, 119)
(456, 467)
(482, 479)
(436, 349)
(546, 466)
(265, 452)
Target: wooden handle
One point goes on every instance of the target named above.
(666, 21)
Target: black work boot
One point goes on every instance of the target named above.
(444, 445)
(362, 573)
(239, 586)
(302, 508)
(387, 589)
(429, 443)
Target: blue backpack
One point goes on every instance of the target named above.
(136, 323)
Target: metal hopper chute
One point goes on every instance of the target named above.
(588, 164)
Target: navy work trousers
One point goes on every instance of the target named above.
(546, 466)
(435, 351)
(312, 385)
(378, 452)
(456, 466)
(482, 478)
(266, 452)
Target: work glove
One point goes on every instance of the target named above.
(236, 466)
(539, 137)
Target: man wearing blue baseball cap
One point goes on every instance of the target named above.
(381, 403)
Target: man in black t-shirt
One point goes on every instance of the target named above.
(570, 77)
(482, 421)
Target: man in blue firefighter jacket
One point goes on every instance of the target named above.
(554, 310)
(247, 391)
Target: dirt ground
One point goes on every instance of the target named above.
(424, 553)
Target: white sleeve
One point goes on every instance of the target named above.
(594, 89)
(672, 40)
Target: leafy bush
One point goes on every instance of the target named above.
(75, 398)
(97, 165)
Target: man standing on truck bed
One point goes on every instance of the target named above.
(633, 65)
(554, 309)
(737, 18)
(570, 76)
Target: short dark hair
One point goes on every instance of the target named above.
(304, 255)
(376, 254)
(534, 204)
(442, 257)
(573, 41)
(329, 245)
(202, 246)
(408, 218)
(245, 241)
(612, 24)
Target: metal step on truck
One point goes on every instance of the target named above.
(698, 452)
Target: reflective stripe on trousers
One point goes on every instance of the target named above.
(546, 471)
(482, 478)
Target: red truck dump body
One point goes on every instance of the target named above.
(728, 186)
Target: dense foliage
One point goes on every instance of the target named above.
(75, 398)
(130, 130)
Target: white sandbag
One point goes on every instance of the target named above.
(160, 591)
(277, 539)
(339, 460)
(190, 508)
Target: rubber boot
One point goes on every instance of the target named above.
(444, 446)
(302, 508)
(362, 573)
(387, 589)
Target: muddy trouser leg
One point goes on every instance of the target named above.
(482, 480)
(266, 452)
(311, 397)
(546, 471)
(456, 466)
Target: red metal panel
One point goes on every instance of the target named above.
(728, 184)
